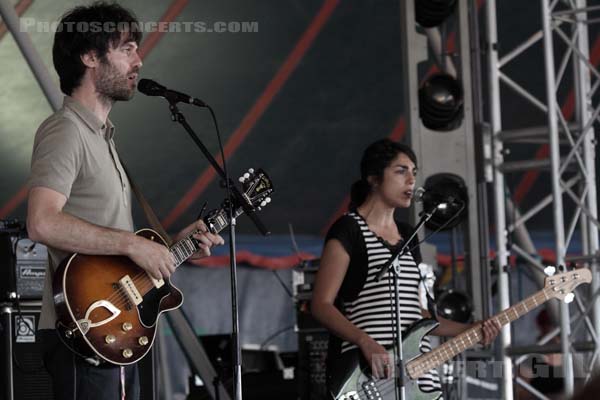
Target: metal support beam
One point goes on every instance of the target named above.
(11, 19)
(559, 229)
(499, 195)
(584, 116)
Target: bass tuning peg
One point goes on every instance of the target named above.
(569, 297)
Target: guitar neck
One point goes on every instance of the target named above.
(183, 249)
(472, 336)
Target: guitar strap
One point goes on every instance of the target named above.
(148, 211)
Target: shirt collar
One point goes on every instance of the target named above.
(89, 118)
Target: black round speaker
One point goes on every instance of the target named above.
(454, 305)
(451, 190)
(441, 102)
(430, 13)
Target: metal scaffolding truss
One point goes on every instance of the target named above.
(570, 168)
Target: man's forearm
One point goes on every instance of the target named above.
(68, 233)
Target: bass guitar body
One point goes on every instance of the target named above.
(352, 380)
(108, 307)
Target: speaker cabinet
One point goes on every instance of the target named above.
(22, 371)
(312, 355)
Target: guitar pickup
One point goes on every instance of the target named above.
(134, 295)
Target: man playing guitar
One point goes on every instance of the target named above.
(79, 197)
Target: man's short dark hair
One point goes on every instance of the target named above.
(90, 28)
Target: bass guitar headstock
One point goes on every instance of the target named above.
(561, 286)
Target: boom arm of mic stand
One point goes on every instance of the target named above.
(426, 217)
(177, 116)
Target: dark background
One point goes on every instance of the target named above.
(344, 92)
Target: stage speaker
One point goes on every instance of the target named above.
(22, 371)
(312, 354)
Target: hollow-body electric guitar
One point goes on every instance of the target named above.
(352, 379)
(108, 307)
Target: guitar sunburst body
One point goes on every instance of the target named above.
(107, 307)
(91, 292)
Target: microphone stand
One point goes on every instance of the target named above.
(235, 199)
(394, 262)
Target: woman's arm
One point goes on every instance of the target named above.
(334, 265)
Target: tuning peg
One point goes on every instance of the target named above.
(268, 200)
(550, 270)
(247, 175)
(263, 203)
(569, 297)
(241, 179)
(251, 170)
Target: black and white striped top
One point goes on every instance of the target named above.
(373, 309)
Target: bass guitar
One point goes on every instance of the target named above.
(352, 379)
(108, 307)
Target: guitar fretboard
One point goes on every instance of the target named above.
(471, 337)
(183, 249)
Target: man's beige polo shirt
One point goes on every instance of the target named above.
(74, 154)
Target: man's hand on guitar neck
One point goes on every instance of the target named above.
(206, 240)
(158, 261)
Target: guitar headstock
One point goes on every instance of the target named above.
(562, 285)
(257, 187)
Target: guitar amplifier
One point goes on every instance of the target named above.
(26, 263)
(30, 269)
(22, 372)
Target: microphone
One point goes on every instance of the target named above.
(152, 88)
(439, 200)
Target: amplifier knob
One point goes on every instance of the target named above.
(127, 353)
(110, 339)
(143, 340)
(127, 326)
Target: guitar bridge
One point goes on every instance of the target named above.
(371, 391)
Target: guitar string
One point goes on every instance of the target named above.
(143, 282)
(147, 282)
(452, 347)
(142, 276)
(526, 305)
